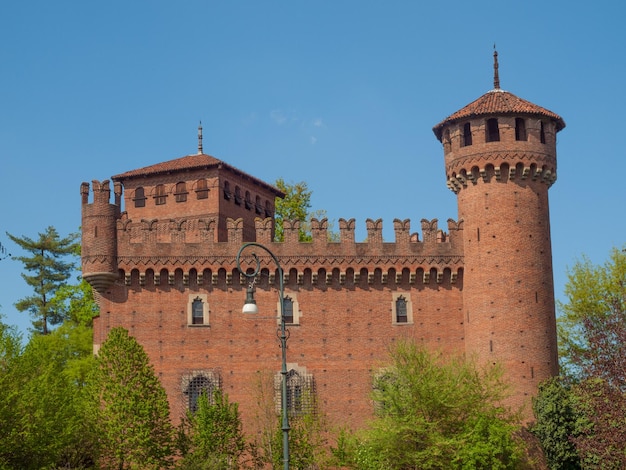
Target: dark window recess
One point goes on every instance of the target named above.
(542, 134)
(197, 312)
(198, 386)
(258, 208)
(466, 138)
(288, 310)
(159, 195)
(238, 195)
(268, 209)
(300, 393)
(492, 131)
(520, 129)
(248, 200)
(227, 193)
(202, 191)
(401, 310)
(181, 192)
(140, 198)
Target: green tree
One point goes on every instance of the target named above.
(434, 414)
(130, 407)
(294, 206)
(50, 269)
(216, 438)
(592, 324)
(592, 335)
(557, 419)
(43, 423)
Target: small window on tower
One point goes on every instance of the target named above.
(492, 131)
(140, 198)
(248, 200)
(181, 192)
(237, 195)
(466, 138)
(258, 207)
(198, 310)
(542, 133)
(202, 191)
(520, 129)
(159, 195)
(227, 193)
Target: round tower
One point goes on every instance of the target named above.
(500, 159)
(99, 234)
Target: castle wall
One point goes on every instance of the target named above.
(345, 294)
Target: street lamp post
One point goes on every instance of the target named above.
(251, 308)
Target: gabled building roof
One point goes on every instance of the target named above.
(191, 163)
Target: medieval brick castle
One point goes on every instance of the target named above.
(161, 257)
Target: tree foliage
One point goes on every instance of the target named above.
(435, 414)
(557, 421)
(592, 340)
(130, 407)
(592, 324)
(42, 419)
(50, 269)
(215, 435)
(294, 206)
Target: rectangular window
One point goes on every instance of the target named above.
(288, 310)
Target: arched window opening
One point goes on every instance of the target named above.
(227, 193)
(181, 192)
(248, 200)
(520, 129)
(198, 386)
(288, 310)
(258, 207)
(159, 195)
(401, 310)
(492, 131)
(268, 209)
(197, 312)
(237, 195)
(466, 137)
(202, 191)
(140, 197)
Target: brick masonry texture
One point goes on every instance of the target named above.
(481, 286)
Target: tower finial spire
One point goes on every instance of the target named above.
(200, 152)
(496, 77)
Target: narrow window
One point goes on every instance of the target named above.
(202, 191)
(258, 208)
(237, 195)
(401, 310)
(227, 193)
(520, 129)
(248, 200)
(288, 310)
(542, 134)
(197, 312)
(466, 138)
(140, 198)
(492, 132)
(159, 195)
(268, 209)
(181, 192)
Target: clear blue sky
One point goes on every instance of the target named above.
(340, 94)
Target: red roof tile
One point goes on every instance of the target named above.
(190, 162)
(498, 101)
